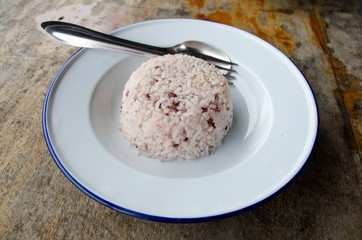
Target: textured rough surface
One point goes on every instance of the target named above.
(176, 106)
(322, 37)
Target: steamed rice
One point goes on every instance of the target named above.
(176, 106)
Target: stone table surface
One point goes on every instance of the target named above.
(323, 38)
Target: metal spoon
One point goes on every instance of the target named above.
(79, 36)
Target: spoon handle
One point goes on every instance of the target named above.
(76, 35)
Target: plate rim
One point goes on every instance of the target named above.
(154, 217)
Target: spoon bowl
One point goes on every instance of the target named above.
(201, 48)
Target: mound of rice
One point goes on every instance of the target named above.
(176, 106)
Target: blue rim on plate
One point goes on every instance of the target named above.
(121, 209)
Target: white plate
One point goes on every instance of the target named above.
(274, 129)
